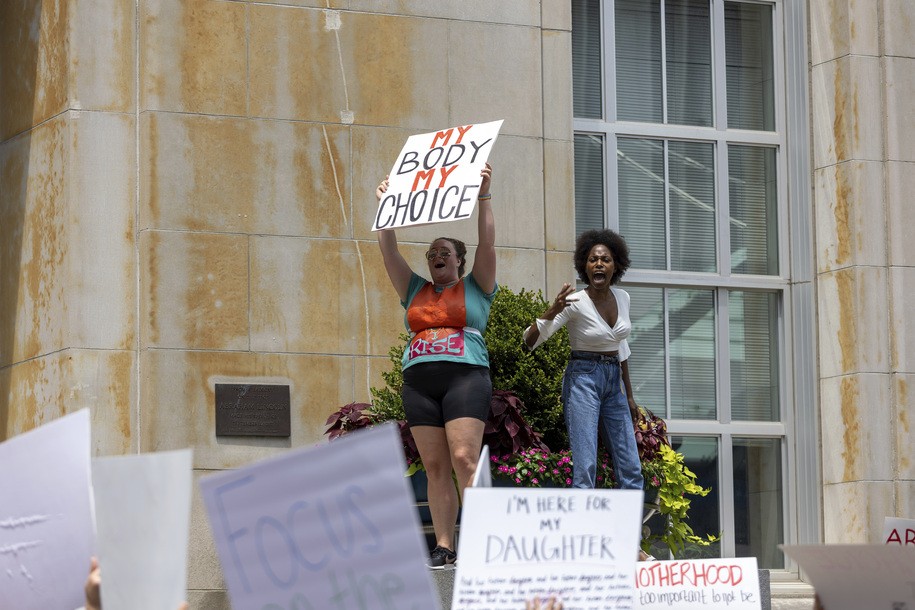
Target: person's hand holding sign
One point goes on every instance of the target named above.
(94, 588)
(548, 604)
(382, 188)
(486, 174)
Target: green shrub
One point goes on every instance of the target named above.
(535, 377)
(387, 403)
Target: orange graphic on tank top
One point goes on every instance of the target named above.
(438, 320)
(431, 309)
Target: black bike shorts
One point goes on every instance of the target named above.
(437, 392)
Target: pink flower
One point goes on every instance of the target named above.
(535, 481)
(568, 481)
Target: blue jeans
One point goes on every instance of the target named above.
(595, 402)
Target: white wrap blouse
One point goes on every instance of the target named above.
(588, 331)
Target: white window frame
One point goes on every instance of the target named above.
(797, 427)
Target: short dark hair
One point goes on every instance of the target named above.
(614, 242)
(459, 248)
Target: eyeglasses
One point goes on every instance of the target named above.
(432, 254)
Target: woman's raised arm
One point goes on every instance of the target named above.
(484, 260)
(398, 270)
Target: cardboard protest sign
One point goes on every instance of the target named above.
(46, 536)
(856, 576)
(899, 531)
(436, 177)
(578, 544)
(698, 584)
(331, 526)
(142, 508)
(483, 475)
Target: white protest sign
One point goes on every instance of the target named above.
(326, 527)
(698, 583)
(856, 576)
(142, 508)
(483, 475)
(436, 177)
(899, 531)
(46, 536)
(578, 544)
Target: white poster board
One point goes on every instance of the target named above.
(46, 537)
(436, 177)
(142, 508)
(330, 526)
(483, 475)
(697, 584)
(899, 531)
(857, 576)
(578, 544)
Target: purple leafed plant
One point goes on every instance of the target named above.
(506, 429)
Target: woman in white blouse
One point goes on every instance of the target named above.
(596, 391)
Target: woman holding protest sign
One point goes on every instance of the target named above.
(446, 387)
(596, 391)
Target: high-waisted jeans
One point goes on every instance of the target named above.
(595, 402)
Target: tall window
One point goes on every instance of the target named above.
(680, 146)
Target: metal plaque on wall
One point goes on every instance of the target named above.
(252, 410)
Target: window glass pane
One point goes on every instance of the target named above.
(691, 168)
(638, 60)
(750, 73)
(759, 522)
(754, 356)
(692, 353)
(646, 365)
(753, 191)
(589, 182)
(641, 201)
(700, 454)
(586, 59)
(689, 62)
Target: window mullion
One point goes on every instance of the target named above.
(790, 504)
(723, 351)
(723, 218)
(726, 497)
(663, 62)
(665, 310)
(666, 154)
(608, 69)
(611, 175)
(719, 66)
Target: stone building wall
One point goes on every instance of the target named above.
(187, 189)
(863, 118)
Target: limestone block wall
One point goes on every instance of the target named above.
(187, 189)
(862, 84)
(68, 296)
